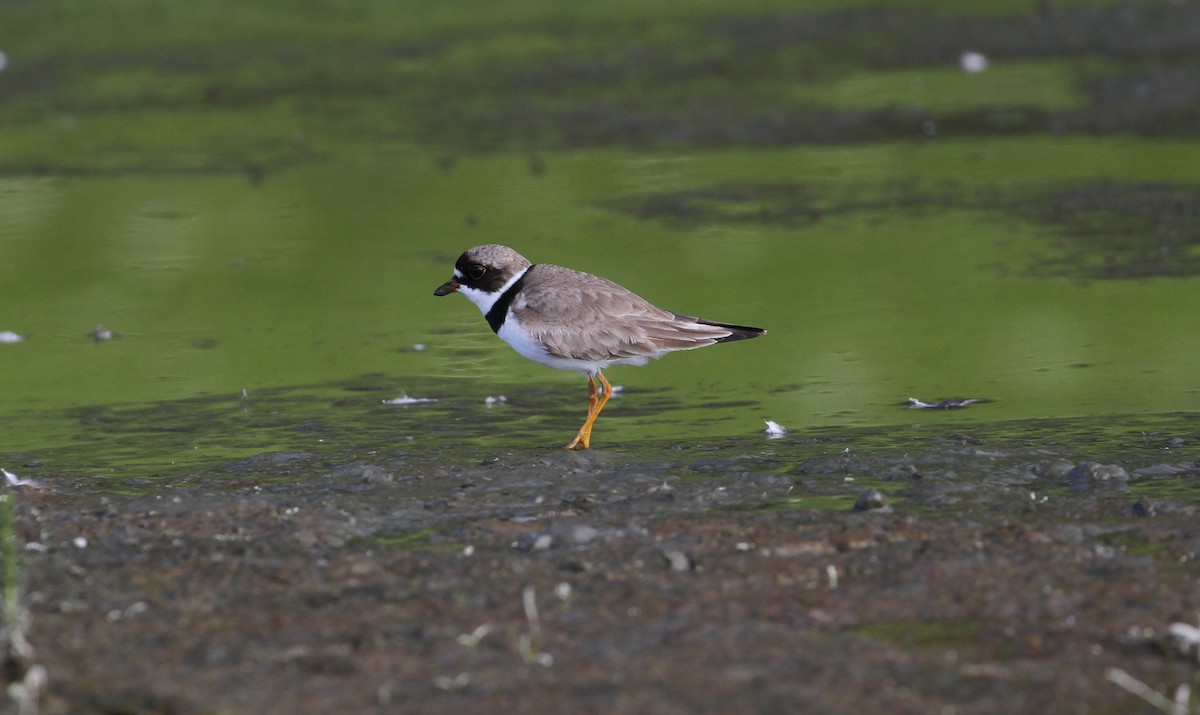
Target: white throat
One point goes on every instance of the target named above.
(484, 300)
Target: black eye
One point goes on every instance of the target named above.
(476, 271)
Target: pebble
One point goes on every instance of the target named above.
(1096, 472)
(1088, 476)
(360, 471)
(559, 534)
(869, 500)
(1164, 470)
(1143, 507)
(575, 534)
(1051, 469)
(678, 560)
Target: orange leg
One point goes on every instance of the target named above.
(596, 403)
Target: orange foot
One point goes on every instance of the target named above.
(596, 402)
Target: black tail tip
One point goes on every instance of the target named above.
(738, 332)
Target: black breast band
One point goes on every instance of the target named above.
(499, 310)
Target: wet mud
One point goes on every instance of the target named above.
(1094, 230)
(730, 79)
(923, 568)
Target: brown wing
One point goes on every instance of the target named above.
(585, 317)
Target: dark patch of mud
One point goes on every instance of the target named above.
(720, 81)
(999, 568)
(669, 93)
(1100, 229)
(1112, 229)
(707, 122)
(782, 203)
(890, 36)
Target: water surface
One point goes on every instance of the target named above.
(244, 223)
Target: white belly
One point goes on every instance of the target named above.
(521, 341)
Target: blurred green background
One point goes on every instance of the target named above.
(258, 195)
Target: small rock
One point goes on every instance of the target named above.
(1096, 472)
(973, 62)
(678, 560)
(1093, 474)
(1161, 470)
(565, 535)
(575, 534)
(869, 500)
(307, 538)
(1185, 639)
(1143, 507)
(360, 471)
(534, 542)
(663, 491)
(901, 472)
(1051, 469)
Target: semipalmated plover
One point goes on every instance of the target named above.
(571, 320)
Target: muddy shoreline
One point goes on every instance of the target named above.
(1002, 573)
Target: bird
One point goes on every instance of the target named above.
(571, 320)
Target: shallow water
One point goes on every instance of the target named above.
(243, 227)
(214, 286)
